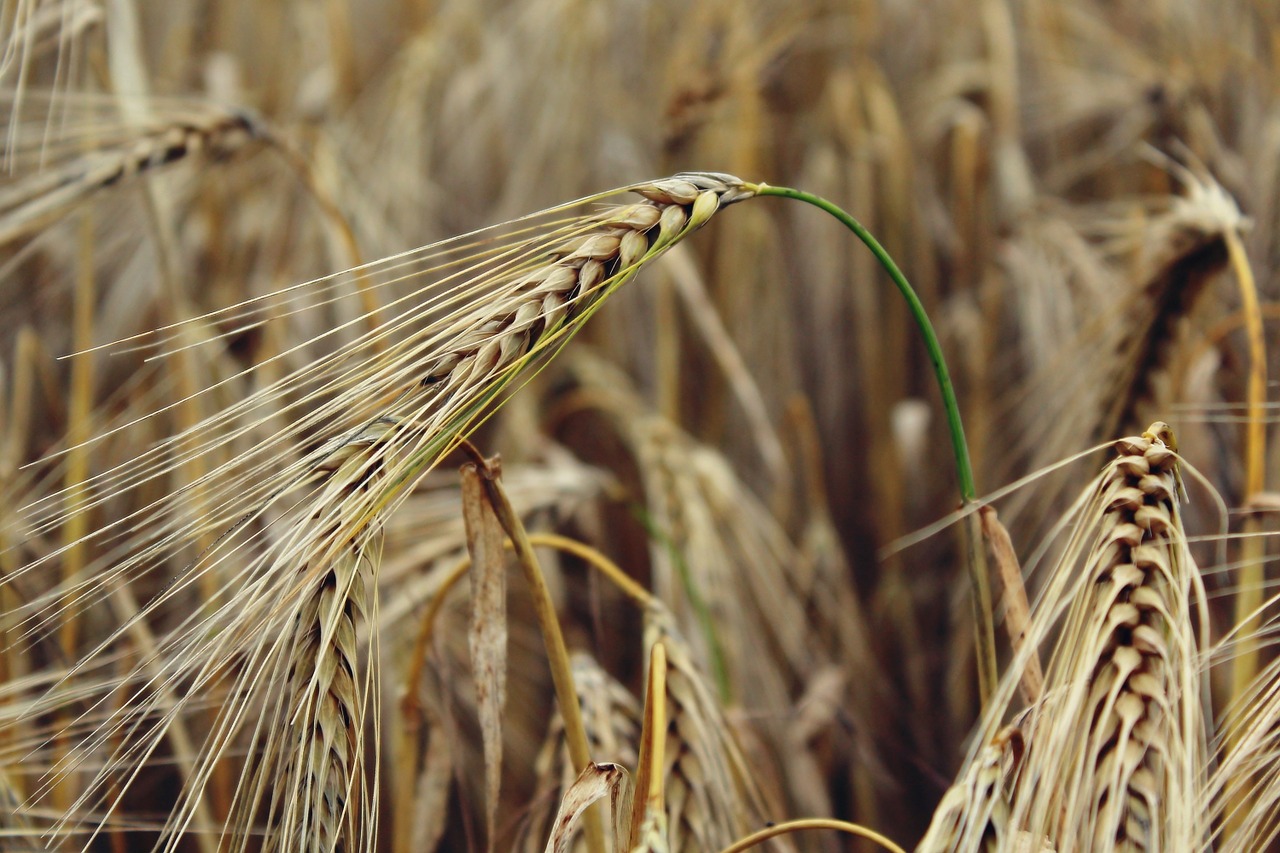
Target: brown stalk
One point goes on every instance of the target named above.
(763, 835)
(1017, 612)
(487, 635)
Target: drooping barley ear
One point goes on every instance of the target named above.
(50, 183)
(1118, 750)
(549, 297)
(293, 531)
(312, 770)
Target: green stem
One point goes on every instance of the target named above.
(964, 469)
(985, 637)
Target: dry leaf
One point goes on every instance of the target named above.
(592, 784)
(1017, 611)
(488, 634)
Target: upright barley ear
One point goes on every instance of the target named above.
(1116, 747)
(1115, 758)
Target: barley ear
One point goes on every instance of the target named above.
(1115, 757)
(320, 799)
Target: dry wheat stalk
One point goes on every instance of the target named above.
(765, 612)
(1187, 248)
(730, 573)
(1123, 724)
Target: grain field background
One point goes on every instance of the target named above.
(441, 426)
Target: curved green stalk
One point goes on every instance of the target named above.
(964, 469)
(985, 637)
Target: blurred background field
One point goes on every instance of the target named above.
(750, 428)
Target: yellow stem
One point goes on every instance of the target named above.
(811, 823)
(1252, 571)
(1249, 595)
(1256, 434)
(594, 558)
(653, 744)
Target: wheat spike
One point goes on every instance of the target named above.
(575, 276)
(324, 763)
(974, 812)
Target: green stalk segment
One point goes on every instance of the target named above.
(985, 634)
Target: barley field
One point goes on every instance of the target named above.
(639, 426)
